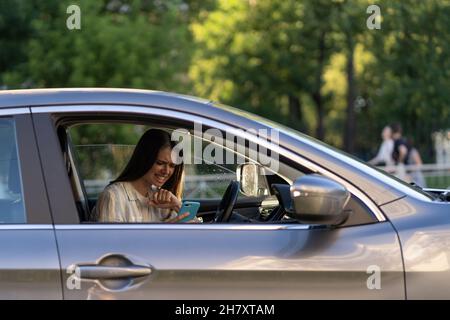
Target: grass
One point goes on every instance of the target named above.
(439, 182)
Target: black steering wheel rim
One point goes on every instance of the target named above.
(225, 208)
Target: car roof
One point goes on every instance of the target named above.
(37, 98)
(46, 97)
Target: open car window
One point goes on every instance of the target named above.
(101, 153)
(96, 153)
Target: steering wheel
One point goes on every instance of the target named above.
(225, 208)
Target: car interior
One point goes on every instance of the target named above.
(12, 207)
(233, 206)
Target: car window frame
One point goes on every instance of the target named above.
(51, 114)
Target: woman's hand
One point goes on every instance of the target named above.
(166, 200)
(177, 218)
(182, 216)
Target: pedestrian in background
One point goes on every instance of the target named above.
(384, 155)
(405, 154)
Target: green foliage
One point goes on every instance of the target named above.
(410, 75)
(138, 48)
(103, 150)
(13, 40)
(257, 54)
(310, 64)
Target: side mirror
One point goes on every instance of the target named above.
(252, 180)
(319, 200)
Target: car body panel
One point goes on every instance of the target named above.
(195, 262)
(29, 263)
(424, 231)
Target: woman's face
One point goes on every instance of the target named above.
(386, 133)
(162, 169)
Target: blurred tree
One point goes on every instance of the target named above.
(13, 40)
(275, 58)
(351, 24)
(268, 56)
(410, 74)
(132, 46)
(310, 64)
(136, 44)
(282, 58)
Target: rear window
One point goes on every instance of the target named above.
(12, 208)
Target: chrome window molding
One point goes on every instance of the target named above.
(13, 111)
(159, 111)
(186, 226)
(26, 227)
(155, 226)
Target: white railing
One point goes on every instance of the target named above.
(436, 175)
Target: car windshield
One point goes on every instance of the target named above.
(324, 147)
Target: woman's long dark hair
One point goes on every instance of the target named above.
(145, 155)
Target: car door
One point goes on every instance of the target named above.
(209, 261)
(29, 264)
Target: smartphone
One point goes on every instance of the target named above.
(191, 207)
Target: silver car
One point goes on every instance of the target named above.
(306, 221)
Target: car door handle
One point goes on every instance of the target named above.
(110, 272)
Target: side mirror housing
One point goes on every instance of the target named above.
(319, 200)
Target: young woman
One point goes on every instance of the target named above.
(384, 155)
(150, 187)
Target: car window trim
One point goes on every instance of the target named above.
(159, 111)
(18, 226)
(14, 111)
(184, 226)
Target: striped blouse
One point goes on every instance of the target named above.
(121, 202)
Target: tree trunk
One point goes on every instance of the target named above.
(317, 96)
(320, 129)
(349, 133)
(295, 112)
